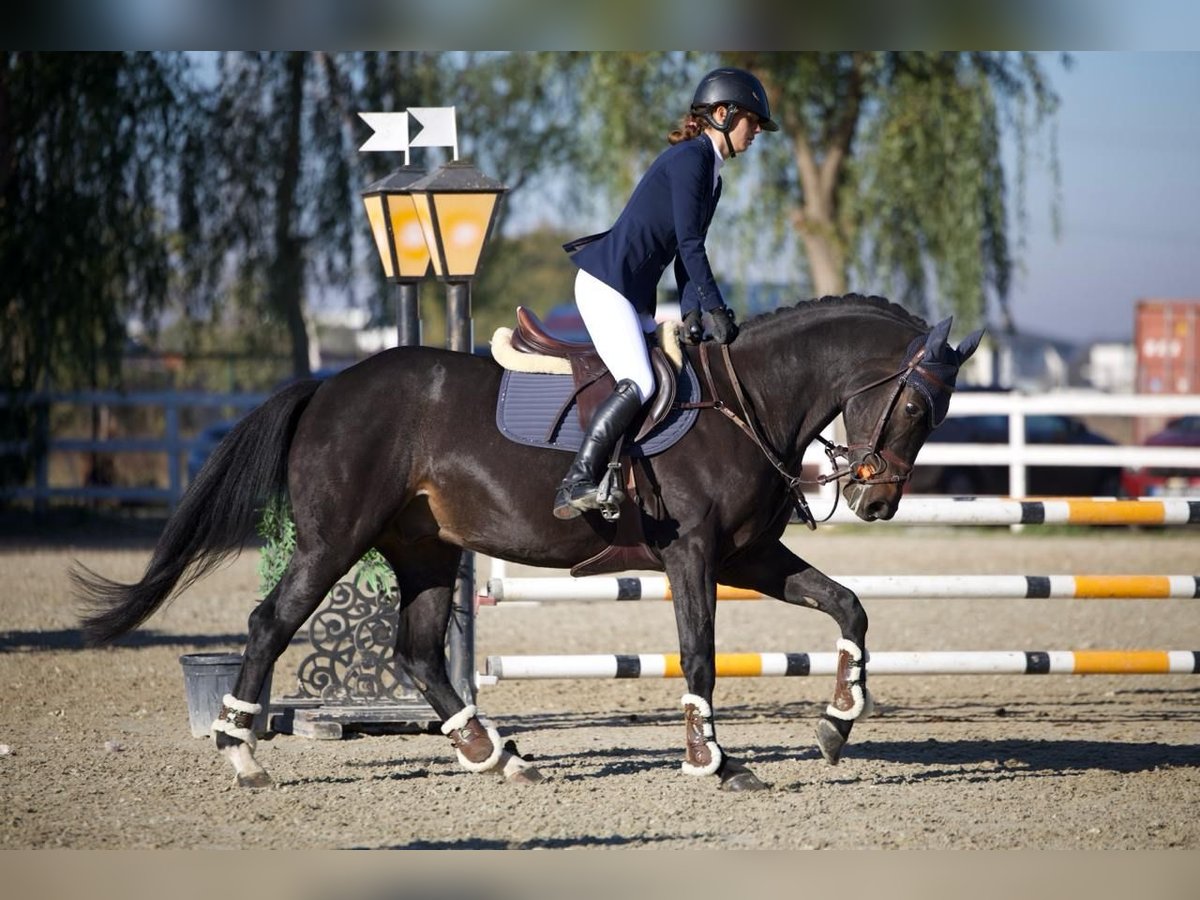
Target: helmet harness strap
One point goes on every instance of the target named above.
(731, 110)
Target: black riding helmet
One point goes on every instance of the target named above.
(736, 89)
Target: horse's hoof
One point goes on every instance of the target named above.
(528, 775)
(830, 741)
(259, 779)
(514, 769)
(736, 777)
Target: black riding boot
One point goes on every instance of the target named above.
(578, 490)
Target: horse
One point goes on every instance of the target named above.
(401, 452)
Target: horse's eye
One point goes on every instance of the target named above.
(911, 409)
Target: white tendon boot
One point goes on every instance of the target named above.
(236, 719)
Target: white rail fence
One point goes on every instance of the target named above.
(1017, 455)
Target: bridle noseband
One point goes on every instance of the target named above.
(872, 465)
(874, 462)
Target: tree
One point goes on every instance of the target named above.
(275, 185)
(87, 143)
(887, 165)
(283, 172)
(132, 182)
(529, 269)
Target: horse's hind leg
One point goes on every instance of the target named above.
(309, 576)
(425, 575)
(777, 572)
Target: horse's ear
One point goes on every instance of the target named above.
(969, 345)
(937, 338)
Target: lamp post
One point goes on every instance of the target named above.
(456, 206)
(443, 219)
(401, 244)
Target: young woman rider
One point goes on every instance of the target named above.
(665, 220)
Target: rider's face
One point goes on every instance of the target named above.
(745, 127)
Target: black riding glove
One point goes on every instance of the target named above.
(724, 329)
(693, 329)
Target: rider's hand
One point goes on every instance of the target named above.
(693, 329)
(724, 329)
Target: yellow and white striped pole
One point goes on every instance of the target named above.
(934, 662)
(868, 587)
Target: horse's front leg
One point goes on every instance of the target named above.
(694, 589)
(777, 572)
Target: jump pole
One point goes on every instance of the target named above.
(1010, 511)
(934, 662)
(867, 587)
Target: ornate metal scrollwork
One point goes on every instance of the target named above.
(354, 638)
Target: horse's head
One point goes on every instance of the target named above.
(887, 420)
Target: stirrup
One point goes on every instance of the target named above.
(609, 495)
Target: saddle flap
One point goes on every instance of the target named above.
(664, 394)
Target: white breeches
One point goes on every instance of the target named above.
(617, 330)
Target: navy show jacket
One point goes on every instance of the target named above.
(665, 220)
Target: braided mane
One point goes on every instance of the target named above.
(836, 305)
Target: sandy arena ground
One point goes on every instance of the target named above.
(97, 752)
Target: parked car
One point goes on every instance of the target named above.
(1140, 482)
(970, 479)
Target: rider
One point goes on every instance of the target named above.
(666, 219)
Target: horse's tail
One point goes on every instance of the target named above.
(215, 516)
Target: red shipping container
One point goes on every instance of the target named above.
(1167, 337)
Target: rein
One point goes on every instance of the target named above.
(868, 471)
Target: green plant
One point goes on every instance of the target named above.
(278, 532)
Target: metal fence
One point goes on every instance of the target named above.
(171, 442)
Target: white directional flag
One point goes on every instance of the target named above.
(391, 131)
(438, 127)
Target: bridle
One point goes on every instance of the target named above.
(873, 464)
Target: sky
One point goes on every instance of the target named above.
(1129, 151)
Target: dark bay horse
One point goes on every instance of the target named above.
(401, 452)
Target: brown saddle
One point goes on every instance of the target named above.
(593, 382)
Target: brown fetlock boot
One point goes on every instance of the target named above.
(703, 756)
(477, 743)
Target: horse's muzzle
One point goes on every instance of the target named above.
(872, 501)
